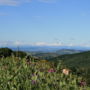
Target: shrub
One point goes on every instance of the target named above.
(21, 76)
(5, 52)
(20, 54)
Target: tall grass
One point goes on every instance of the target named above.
(17, 74)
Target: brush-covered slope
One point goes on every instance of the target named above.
(67, 51)
(46, 55)
(79, 59)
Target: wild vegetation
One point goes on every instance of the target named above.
(6, 52)
(18, 73)
(79, 63)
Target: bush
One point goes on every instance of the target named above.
(5, 52)
(18, 75)
(20, 54)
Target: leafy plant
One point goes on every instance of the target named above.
(20, 75)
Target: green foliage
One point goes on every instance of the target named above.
(20, 54)
(79, 63)
(5, 52)
(67, 51)
(45, 55)
(20, 75)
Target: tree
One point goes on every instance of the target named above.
(5, 52)
(20, 54)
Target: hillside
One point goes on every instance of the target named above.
(68, 51)
(79, 61)
(48, 55)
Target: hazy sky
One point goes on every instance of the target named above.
(45, 21)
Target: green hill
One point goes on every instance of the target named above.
(79, 61)
(45, 55)
(67, 51)
(48, 55)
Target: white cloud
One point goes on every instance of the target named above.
(20, 43)
(46, 44)
(9, 2)
(13, 2)
(5, 43)
(18, 2)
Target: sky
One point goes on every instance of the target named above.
(45, 22)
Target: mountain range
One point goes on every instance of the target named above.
(48, 48)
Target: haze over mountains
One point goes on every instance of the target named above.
(49, 48)
(43, 47)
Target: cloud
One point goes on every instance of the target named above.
(8, 43)
(18, 2)
(9, 2)
(13, 2)
(47, 44)
(21, 43)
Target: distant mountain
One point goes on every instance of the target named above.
(48, 55)
(48, 48)
(45, 55)
(68, 51)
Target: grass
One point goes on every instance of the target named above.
(17, 74)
